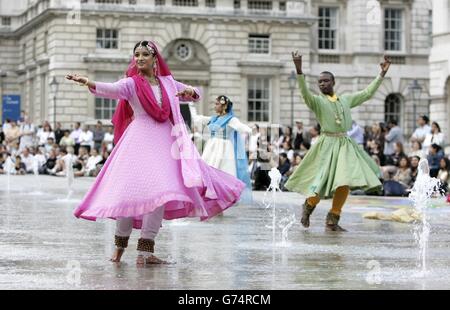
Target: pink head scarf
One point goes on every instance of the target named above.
(124, 114)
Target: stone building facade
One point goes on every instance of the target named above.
(238, 48)
(440, 65)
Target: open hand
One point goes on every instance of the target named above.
(76, 78)
(386, 64)
(187, 92)
(297, 58)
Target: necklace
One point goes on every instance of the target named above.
(338, 115)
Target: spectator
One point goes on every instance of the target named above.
(12, 135)
(422, 129)
(356, 133)
(294, 164)
(392, 162)
(287, 148)
(414, 161)
(314, 132)
(27, 132)
(19, 166)
(59, 133)
(376, 135)
(91, 163)
(67, 140)
(435, 136)
(49, 164)
(443, 174)
(49, 144)
(399, 184)
(285, 135)
(98, 135)
(377, 150)
(44, 134)
(403, 174)
(75, 135)
(434, 157)
(301, 135)
(416, 149)
(86, 139)
(109, 139)
(28, 160)
(395, 135)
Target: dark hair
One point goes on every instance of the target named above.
(307, 145)
(228, 102)
(425, 118)
(393, 121)
(143, 43)
(406, 158)
(284, 155)
(436, 147)
(329, 73)
(447, 163)
(437, 125)
(420, 144)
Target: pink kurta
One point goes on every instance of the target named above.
(141, 174)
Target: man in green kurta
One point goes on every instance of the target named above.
(335, 164)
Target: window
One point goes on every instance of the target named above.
(34, 49)
(327, 28)
(104, 108)
(6, 21)
(45, 41)
(258, 99)
(210, 3)
(259, 44)
(393, 29)
(160, 2)
(430, 27)
(107, 38)
(108, 1)
(259, 5)
(185, 2)
(183, 51)
(392, 108)
(24, 55)
(282, 6)
(237, 4)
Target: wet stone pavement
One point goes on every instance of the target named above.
(43, 246)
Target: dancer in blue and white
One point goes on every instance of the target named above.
(225, 149)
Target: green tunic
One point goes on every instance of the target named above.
(335, 159)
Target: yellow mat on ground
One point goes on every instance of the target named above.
(403, 215)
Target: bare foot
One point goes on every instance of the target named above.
(151, 260)
(117, 255)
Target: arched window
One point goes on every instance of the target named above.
(393, 108)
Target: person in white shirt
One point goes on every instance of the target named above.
(45, 134)
(314, 132)
(92, 162)
(434, 137)
(86, 138)
(28, 160)
(75, 135)
(108, 139)
(422, 130)
(27, 132)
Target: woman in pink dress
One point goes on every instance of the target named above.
(154, 170)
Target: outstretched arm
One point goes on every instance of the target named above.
(364, 95)
(122, 89)
(310, 100)
(238, 126)
(187, 93)
(198, 118)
